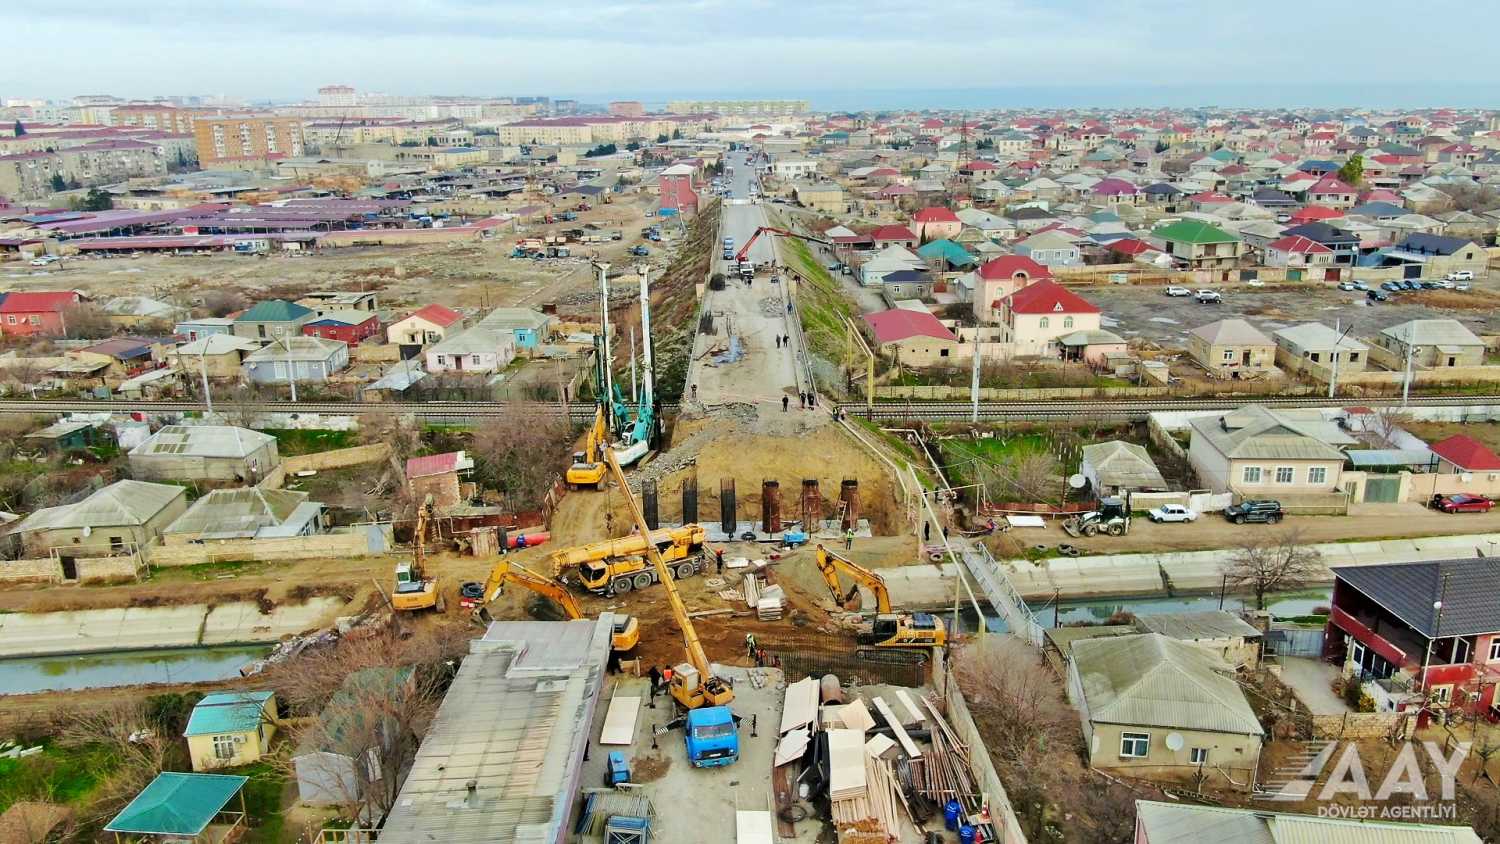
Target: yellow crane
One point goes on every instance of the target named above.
(886, 629)
(588, 467)
(693, 682)
(627, 632)
(414, 590)
(616, 566)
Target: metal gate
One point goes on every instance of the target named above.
(1380, 490)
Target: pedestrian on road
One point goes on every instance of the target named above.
(695, 392)
(802, 397)
(778, 342)
(812, 398)
(785, 401)
(786, 340)
(655, 675)
(719, 559)
(927, 531)
(848, 538)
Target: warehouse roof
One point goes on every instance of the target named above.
(203, 441)
(1152, 680)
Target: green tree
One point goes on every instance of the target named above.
(1353, 170)
(59, 184)
(97, 200)
(661, 139)
(676, 134)
(20, 130)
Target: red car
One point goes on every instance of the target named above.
(1462, 502)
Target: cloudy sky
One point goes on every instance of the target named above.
(840, 53)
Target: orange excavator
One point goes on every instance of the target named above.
(627, 632)
(745, 250)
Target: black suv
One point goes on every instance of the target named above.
(1254, 511)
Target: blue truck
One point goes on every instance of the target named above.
(713, 738)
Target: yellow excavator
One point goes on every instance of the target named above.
(414, 590)
(627, 632)
(694, 684)
(588, 469)
(886, 629)
(616, 566)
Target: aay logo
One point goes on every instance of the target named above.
(1346, 774)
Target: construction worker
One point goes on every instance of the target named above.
(719, 559)
(848, 538)
(750, 645)
(802, 397)
(666, 678)
(655, 675)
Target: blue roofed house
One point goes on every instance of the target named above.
(952, 256)
(230, 728)
(1437, 255)
(528, 328)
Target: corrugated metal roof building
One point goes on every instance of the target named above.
(205, 453)
(1179, 823)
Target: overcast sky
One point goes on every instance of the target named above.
(1255, 53)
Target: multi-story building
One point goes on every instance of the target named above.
(246, 138)
(627, 108)
(31, 175)
(337, 96)
(162, 118)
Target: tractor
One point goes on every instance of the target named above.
(1112, 517)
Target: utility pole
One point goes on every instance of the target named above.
(208, 398)
(974, 380)
(1334, 381)
(1406, 377)
(290, 377)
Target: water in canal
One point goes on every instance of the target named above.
(124, 668)
(1098, 610)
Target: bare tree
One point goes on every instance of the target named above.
(1275, 563)
(141, 745)
(1028, 477)
(399, 431)
(519, 453)
(88, 321)
(1473, 198)
(1015, 699)
(223, 302)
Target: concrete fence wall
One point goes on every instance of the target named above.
(338, 458)
(944, 393)
(1358, 725)
(354, 544)
(1421, 487)
(958, 717)
(50, 570)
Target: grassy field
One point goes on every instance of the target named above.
(294, 441)
(57, 774)
(823, 306)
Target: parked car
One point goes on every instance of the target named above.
(1179, 291)
(1392, 286)
(1255, 282)
(1347, 286)
(1462, 287)
(1262, 510)
(1360, 286)
(1172, 513)
(1462, 502)
(1410, 284)
(1208, 297)
(42, 261)
(1378, 296)
(1460, 275)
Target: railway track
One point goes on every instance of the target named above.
(890, 411)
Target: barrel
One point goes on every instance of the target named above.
(966, 834)
(951, 810)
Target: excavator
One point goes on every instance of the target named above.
(588, 468)
(616, 566)
(694, 685)
(886, 629)
(627, 632)
(414, 590)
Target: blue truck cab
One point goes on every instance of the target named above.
(713, 739)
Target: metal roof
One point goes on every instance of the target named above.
(121, 503)
(1254, 432)
(1151, 680)
(203, 441)
(227, 712)
(177, 804)
(1231, 332)
(1183, 823)
(514, 722)
(1432, 332)
(226, 513)
(1186, 626)
(1410, 591)
(1123, 464)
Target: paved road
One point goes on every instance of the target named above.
(756, 314)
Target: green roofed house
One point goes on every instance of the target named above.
(954, 256)
(181, 807)
(1197, 245)
(230, 728)
(272, 320)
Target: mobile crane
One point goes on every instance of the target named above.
(616, 566)
(627, 632)
(886, 629)
(414, 590)
(694, 684)
(744, 252)
(588, 468)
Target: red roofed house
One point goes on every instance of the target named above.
(913, 338)
(439, 475)
(675, 186)
(1460, 454)
(997, 279)
(894, 235)
(1315, 214)
(1298, 251)
(1036, 315)
(39, 312)
(936, 224)
(425, 326)
(1333, 192)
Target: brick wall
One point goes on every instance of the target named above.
(1358, 725)
(337, 459)
(288, 548)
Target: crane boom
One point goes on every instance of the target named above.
(690, 641)
(830, 564)
(522, 576)
(745, 250)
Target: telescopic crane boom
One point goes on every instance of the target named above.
(693, 684)
(745, 250)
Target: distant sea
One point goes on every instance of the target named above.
(1270, 95)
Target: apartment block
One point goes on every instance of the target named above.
(246, 138)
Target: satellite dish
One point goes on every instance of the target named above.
(1174, 741)
(1077, 481)
(87, 530)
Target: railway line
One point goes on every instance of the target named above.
(889, 411)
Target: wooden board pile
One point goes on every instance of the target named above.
(768, 601)
(872, 814)
(944, 773)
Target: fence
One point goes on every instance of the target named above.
(852, 667)
(939, 392)
(356, 543)
(77, 569)
(337, 459)
(957, 712)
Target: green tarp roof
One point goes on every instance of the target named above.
(227, 712)
(274, 310)
(177, 804)
(948, 251)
